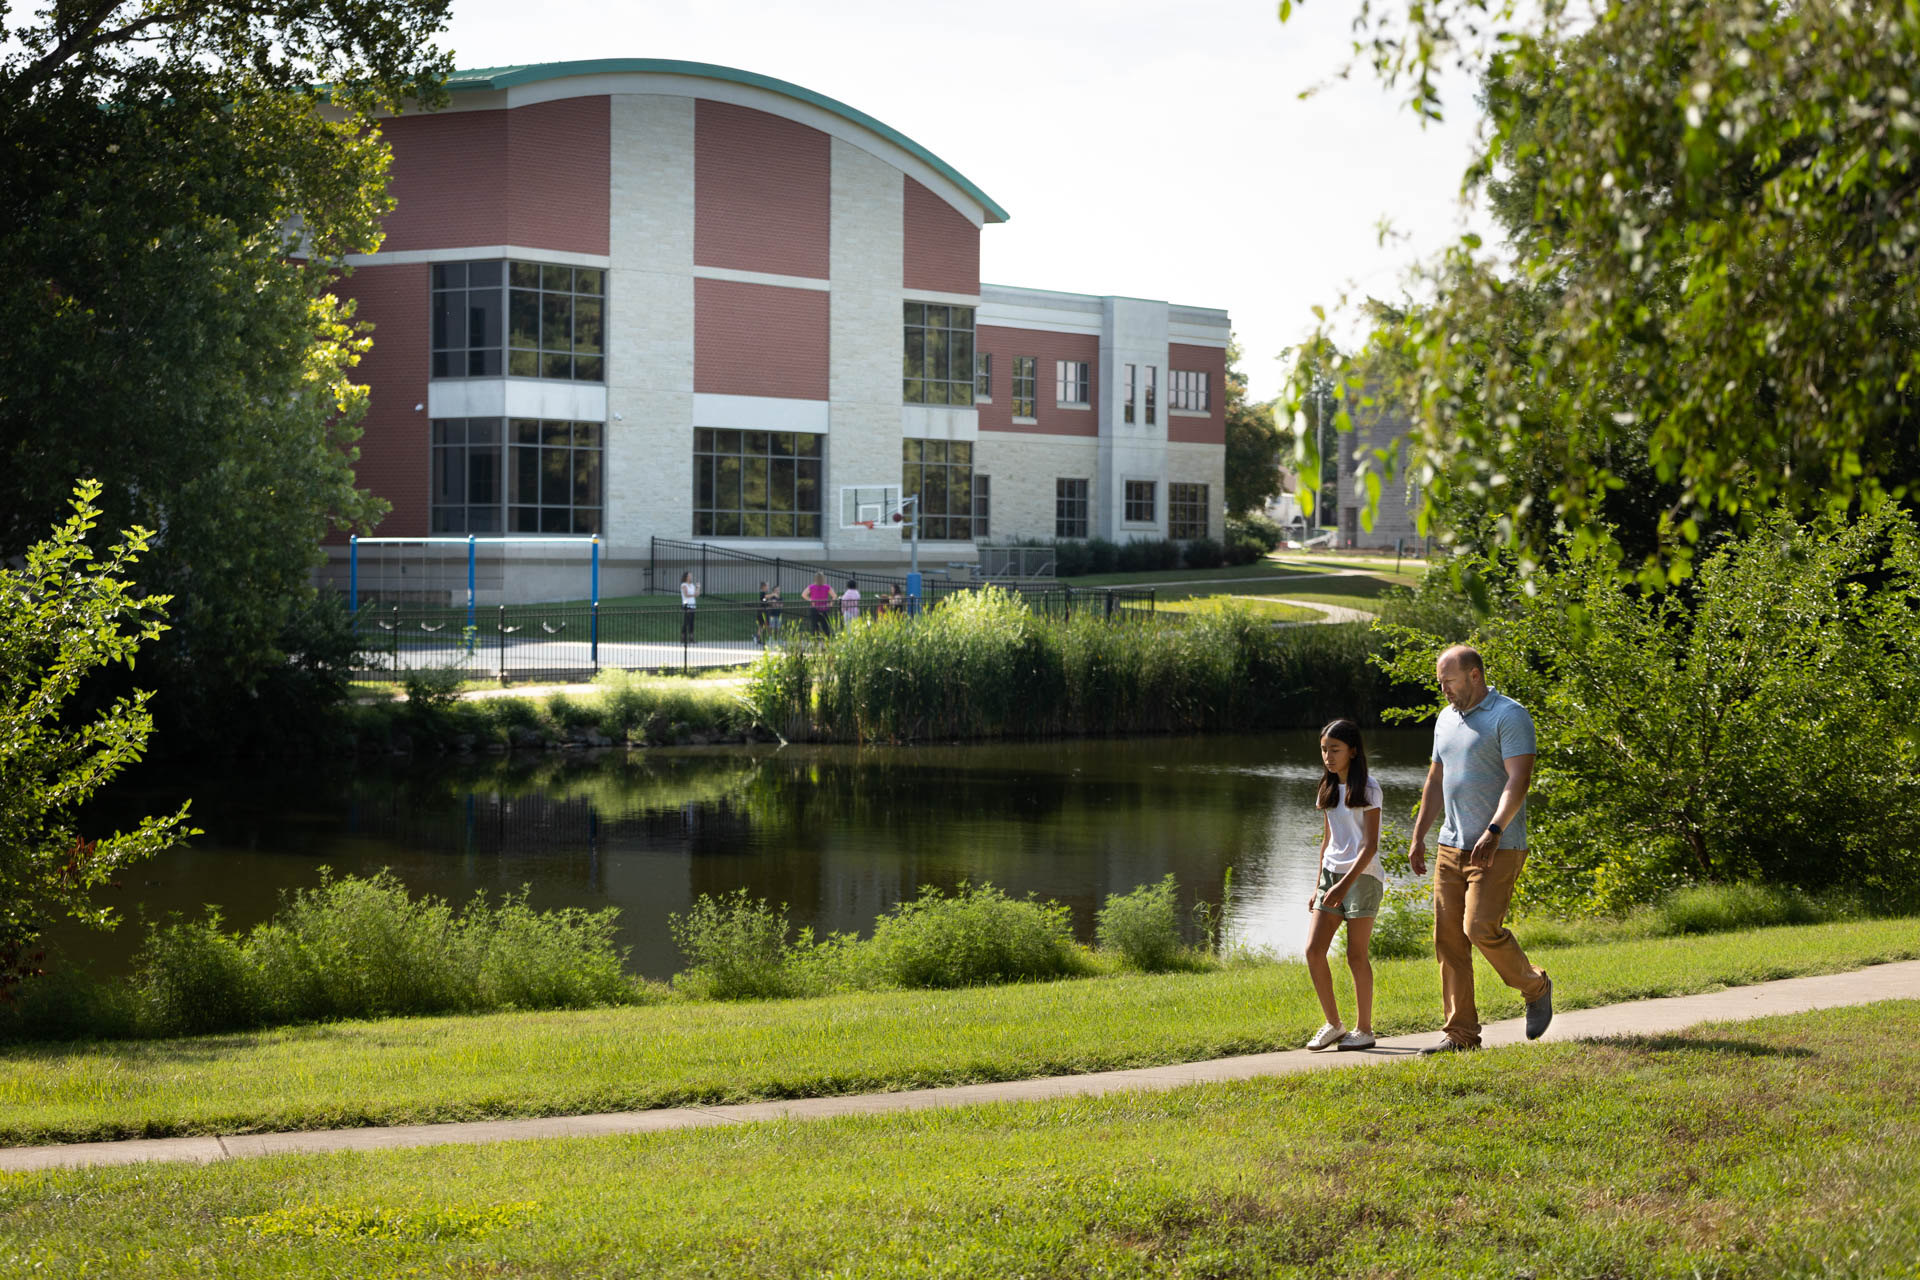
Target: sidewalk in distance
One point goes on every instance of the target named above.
(1646, 1017)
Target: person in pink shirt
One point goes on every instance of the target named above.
(820, 596)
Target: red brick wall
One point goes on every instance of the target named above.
(759, 340)
(559, 170)
(1211, 429)
(942, 246)
(1047, 348)
(762, 192)
(394, 444)
(448, 179)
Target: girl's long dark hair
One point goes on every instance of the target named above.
(1348, 732)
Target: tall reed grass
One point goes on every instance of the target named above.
(982, 665)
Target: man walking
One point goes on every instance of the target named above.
(1483, 753)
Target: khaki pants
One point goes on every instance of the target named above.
(1469, 906)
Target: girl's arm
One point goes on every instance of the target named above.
(1370, 824)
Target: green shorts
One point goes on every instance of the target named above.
(1362, 900)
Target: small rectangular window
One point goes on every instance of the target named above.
(1153, 376)
(1024, 378)
(1140, 498)
(1070, 508)
(1190, 391)
(983, 375)
(1071, 382)
(1128, 400)
(982, 504)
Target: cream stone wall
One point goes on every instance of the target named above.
(866, 337)
(1024, 469)
(649, 459)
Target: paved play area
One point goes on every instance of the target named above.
(1899, 981)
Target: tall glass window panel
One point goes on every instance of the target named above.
(940, 473)
(1153, 377)
(937, 365)
(983, 375)
(756, 484)
(982, 504)
(556, 322)
(1070, 507)
(465, 320)
(1024, 378)
(1186, 511)
(1071, 382)
(1127, 401)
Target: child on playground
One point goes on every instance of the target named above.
(1351, 883)
(820, 596)
(772, 613)
(850, 603)
(689, 596)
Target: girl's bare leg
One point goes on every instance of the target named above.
(1318, 940)
(1359, 934)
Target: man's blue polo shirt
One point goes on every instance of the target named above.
(1472, 749)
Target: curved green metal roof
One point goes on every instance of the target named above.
(508, 77)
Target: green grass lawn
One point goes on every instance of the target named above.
(1781, 1147)
(430, 1069)
(1259, 606)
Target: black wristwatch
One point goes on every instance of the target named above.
(1494, 827)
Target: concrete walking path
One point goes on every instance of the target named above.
(1899, 981)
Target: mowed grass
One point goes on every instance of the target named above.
(458, 1068)
(1781, 1147)
(1258, 606)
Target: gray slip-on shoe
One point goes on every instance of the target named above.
(1540, 1012)
(1447, 1045)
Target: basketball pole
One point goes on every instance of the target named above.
(470, 558)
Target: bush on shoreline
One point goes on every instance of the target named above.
(982, 665)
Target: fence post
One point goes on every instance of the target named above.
(501, 627)
(1109, 604)
(595, 631)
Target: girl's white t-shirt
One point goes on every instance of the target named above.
(850, 602)
(688, 591)
(1348, 834)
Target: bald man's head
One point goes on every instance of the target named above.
(1463, 676)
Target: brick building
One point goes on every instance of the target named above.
(641, 298)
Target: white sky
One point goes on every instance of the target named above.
(1155, 148)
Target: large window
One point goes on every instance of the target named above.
(1071, 382)
(1139, 496)
(952, 506)
(1024, 378)
(526, 319)
(520, 475)
(467, 306)
(939, 365)
(1188, 389)
(1070, 507)
(1186, 511)
(756, 484)
(556, 323)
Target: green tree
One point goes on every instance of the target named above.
(63, 614)
(1255, 443)
(1760, 729)
(1714, 290)
(176, 197)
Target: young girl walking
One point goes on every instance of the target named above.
(1351, 882)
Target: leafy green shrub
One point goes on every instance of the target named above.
(68, 1003)
(1143, 927)
(1203, 553)
(1404, 928)
(737, 947)
(1103, 555)
(974, 937)
(432, 690)
(1250, 537)
(1722, 908)
(1071, 558)
(528, 959)
(1141, 555)
(193, 978)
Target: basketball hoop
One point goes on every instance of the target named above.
(865, 524)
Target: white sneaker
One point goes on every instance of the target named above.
(1357, 1040)
(1327, 1036)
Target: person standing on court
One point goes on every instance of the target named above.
(689, 594)
(1483, 750)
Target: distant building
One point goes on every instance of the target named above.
(1376, 426)
(640, 299)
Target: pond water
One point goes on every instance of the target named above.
(839, 833)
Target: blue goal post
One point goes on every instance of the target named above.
(473, 544)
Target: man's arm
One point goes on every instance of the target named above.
(1512, 796)
(1424, 818)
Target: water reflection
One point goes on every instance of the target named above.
(839, 833)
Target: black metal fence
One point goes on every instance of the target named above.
(725, 571)
(575, 642)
